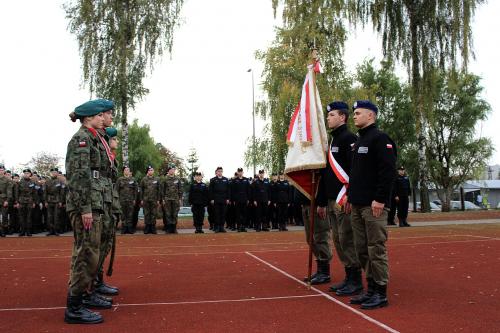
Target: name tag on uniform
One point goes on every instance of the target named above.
(335, 149)
(155, 182)
(131, 182)
(31, 185)
(58, 185)
(175, 182)
(224, 180)
(363, 150)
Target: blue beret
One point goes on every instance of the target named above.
(337, 105)
(96, 106)
(111, 132)
(365, 104)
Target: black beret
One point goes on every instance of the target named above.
(240, 169)
(261, 171)
(27, 170)
(337, 105)
(149, 167)
(401, 168)
(96, 106)
(54, 169)
(197, 173)
(125, 167)
(274, 174)
(365, 104)
(16, 175)
(281, 173)
(218, 168)
(8, 171)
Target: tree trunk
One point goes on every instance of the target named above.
(445, 200)
(417, 99)
(125, 143)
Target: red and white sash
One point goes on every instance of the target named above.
(341, 176)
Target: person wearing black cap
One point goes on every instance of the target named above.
(240, 197)
(400, 199)
(27, 198)
(198, 199)
(127, 191)
(261, 196)
(373, 170)
(150, 199)
(53, 201)
(220, 195)
(6, 196)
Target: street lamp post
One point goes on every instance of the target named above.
(253, 123)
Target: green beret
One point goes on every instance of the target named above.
(111, 132)
(96, 106)
(171, 166)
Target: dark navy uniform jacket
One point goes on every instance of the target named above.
(219, 189)
(261, 190)
(240, 190)
(282, 192)
(198, 194)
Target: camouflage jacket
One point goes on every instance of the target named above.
(27, 192)
(5, 189)
(127, 189)
(171, 188)
(86, 189)
(52, 193)
(150, 189)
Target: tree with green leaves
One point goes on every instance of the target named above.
(192, 161)
(454, 153)
(423, 34)
(42, 162)
(305, 24)
(143, 150)
(118, 41)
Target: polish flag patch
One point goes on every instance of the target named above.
(389, 146)
(82, 144)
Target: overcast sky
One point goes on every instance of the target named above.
(199, 97)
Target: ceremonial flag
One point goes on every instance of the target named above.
(306, 136)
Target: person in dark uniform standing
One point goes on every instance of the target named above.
(261, 196)
(127, 192)
(373, 170)
(198, 199)
(220, 195)
(6, 196)
(332, 197)
(240, 197)
(26, 201)
(272, 211)
(53, 202)
(281, 193)
(150, 199)
(400, 199)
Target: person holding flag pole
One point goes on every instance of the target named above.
(307, 142)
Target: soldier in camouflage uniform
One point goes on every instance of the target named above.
(63, 219)
(26, 201)
(13, 211)
(5, 198)
(127, 192)
(150, 199)
(172, 199)
(85, 204)
(53, 202)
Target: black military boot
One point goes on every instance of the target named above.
(313, 275)
(405, 223)
(104, 289)
(364, 296)
(342, 284)
(323, 275)
(378, 299)
(92, 301)
(77, 314)
(354, 285)
(104, 298)
(152, 229)
(146, 229)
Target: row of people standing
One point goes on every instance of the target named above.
(240, 203)
(32, 203)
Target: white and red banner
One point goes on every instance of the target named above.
(306, 136)
(342, 176)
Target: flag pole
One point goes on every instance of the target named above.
(312, 215)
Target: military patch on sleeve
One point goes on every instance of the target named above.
(82, 144)
(389, 146)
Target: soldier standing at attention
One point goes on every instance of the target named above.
(332, 197)
(399, 199)
(172, 199)
(5, 198)
(127, 191)
(220, 194)
(53, 202)
(372, 174)
(85, 206)
(63, 222)
(26, 202)
(14, 211)
(281, 197)
(198, 199)
(150, 199)
(272, 212)
(240, 197)
(261, 196)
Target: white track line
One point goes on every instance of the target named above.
(177, 303)
(357, 312)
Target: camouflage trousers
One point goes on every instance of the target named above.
(370, 235)
(107, 235)
(127, 213)
(150, 209)
(170, 211)
(4, 217)
(25, 217)
(53, 217)
(85, 256)
(320, 246)
(342, 236)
